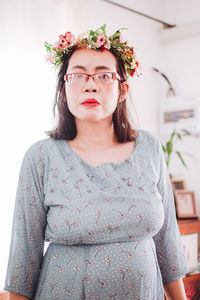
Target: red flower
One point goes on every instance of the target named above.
(102, 48)
(132, 72)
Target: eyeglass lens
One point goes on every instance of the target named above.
(100, 77)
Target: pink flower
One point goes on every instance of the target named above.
(101, 40)
(108, 258)
(69, 37)
(65, 40)
(76, 268)
(62, 42)
(98, 213)
(107, 45)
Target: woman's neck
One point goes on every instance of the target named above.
(95, 136)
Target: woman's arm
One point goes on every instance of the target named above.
(14, 296)
(169, 248)
(175, 290)
(29, 223)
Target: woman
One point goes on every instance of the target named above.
(97, 190)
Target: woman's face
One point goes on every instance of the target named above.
(91, 62)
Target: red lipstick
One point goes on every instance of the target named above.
(90, 102)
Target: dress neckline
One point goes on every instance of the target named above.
(114, 164)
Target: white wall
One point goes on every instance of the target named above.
(29, 82)
(183, 68)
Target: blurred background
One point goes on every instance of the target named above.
(28, 81)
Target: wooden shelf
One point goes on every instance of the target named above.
(188, 278)
(189, 226)
(3, 295)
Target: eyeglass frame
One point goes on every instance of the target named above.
(116, 75)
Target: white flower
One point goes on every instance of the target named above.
(122, 38)
(94, 45)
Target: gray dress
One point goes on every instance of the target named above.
(112, 228)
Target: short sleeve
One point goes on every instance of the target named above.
(29, 222)
(169, 248)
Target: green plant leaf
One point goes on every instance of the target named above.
(163, 147)
(169, 147)
(179, 136)
(186, 132)
(92, 32)
(115, 35)
(182, 160)
(47, 46)
(103, 27)
(172, 135)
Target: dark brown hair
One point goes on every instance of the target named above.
(66, 126)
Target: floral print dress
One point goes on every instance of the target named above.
(112, 228)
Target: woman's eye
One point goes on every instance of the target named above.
(104, 76)
(78, 76)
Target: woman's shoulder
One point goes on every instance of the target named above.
(147, 137)
(151, 147)
(40, 148)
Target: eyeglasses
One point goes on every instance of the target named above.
(102, 78)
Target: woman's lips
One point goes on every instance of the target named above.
(90, 102)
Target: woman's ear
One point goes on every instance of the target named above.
(124, 91)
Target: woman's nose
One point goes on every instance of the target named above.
(90, 86)
(91, 90)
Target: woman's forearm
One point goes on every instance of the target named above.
(14, 296)
(175, 290)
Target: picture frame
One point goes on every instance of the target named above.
(178, 184)
(185, 204)
(190, 245)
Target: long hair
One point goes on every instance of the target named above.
(66, 126)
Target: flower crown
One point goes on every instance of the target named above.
(97, 40)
